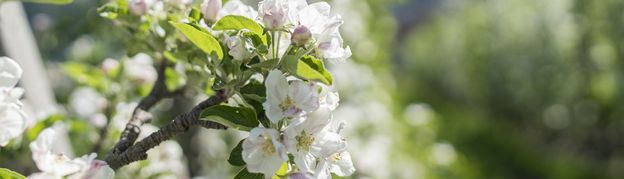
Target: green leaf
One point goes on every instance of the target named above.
(283, 170)
(195, 14)
(255, 91)
(244, 174)
(268, 64)
(236, 22)
(203, 40)
(9, 174)
(113, 9)
(236, 158)
(86, 75)
(57, 2)
(308, 68)
(173, 79)
(233, 117)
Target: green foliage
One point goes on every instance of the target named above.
(9, 174)
(203, 40)
(56, 2)
(234, 117)
(244, 174)
(308, 68)
(86, 75)
(236, 22)
(236, 158)
(173, 79)
(33, 132)
(113, 9)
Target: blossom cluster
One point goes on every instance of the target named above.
(12, 116)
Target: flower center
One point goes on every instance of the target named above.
(287, 103)
(335, 157)
(268, 147)
(304, 141)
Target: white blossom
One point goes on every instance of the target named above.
(310, 138)
(263, 152)
(239, 48)
(324, 28)
(274, 13)
(140, 69)
(58, 165)
(337, 163)
(12, 117)
(86, 102)
(329, 97)
(140, 7)
(288, 100)
(210, 9)
(236, 7)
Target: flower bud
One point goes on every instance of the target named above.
(109, 66)
(238, 48)
(301, 35)
(274, 13)
(138, 7)
(210, 9)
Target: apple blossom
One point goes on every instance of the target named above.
(274, 13)
(263, 152)
(301, 35)
(140, 69)
(210, 9)
(12, 117)
(309, 138)
(236, 7)
(86, 102)
(239, 48)
(139, 7)
(324, 28)
(58, 165)
(288, 100)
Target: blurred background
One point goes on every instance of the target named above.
(435, 89)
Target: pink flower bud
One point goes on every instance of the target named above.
(274, 13)
(301, 35)
(210, 9)
(138, 7)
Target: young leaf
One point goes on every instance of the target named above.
(113, 9)
(283, 170)
(244, 174)
(308, 68)
(234, 117)
(9, 174)
(57, 2)
(203, 40)
(236, 158)
(236, 22)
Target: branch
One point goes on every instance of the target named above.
(141, 113)
(179, 125)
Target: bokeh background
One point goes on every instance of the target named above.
(435, 89)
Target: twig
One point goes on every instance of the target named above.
(180, 124)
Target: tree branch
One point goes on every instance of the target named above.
(180, 124)
(141, 113)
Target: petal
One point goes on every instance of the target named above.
(10, 72)
(305, 161)
(276, 87)
(318, 120)
(305, 96)
(43, 142)
(12, 123)
(344, 166)
(273, 112)
(327, 144)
